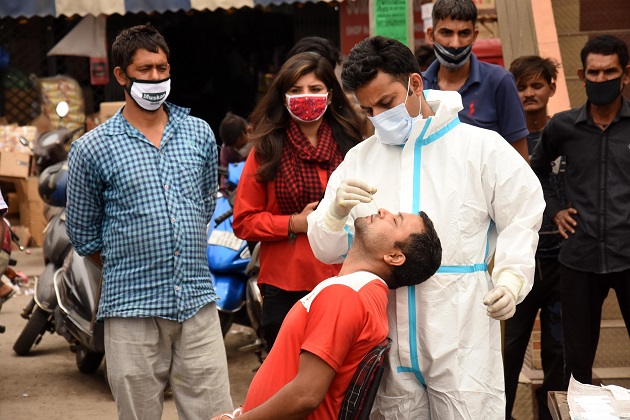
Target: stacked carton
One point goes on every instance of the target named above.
(31, 209)
(15, 158)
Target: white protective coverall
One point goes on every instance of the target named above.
(445, 361)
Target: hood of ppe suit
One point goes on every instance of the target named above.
(445, 105)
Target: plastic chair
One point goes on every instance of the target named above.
(361, 392)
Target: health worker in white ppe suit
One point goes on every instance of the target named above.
(445, 362)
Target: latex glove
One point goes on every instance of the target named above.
(501, 301)
(350, 192)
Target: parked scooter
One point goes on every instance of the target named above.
(77, 287)
(77, 283)
(40, 311)
(67, 291)
(50, 153)
(233, 266)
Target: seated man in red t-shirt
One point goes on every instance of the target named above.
(327, 333)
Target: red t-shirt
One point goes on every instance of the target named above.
(340, 321)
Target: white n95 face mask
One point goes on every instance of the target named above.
(394, 125)
(149, 94)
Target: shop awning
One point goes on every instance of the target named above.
(30, 8)
(86, 39)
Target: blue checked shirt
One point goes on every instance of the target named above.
(146, 210)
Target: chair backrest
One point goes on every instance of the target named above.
(361, 392)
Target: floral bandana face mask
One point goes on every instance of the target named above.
(307, 107)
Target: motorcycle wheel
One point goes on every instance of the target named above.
(226, 320)
(88, 361)
(32, 332)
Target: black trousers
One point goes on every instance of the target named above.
(545, 295)
(583, 295)
(276, 305)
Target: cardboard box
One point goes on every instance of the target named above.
(14, 164)
(32, 216)
(108, 109)
(11, 137)
(13, 203)
(27, 189)
(31, 209)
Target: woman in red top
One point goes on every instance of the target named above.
(302, 129)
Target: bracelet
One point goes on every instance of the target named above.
(292, 234)
(234, 414)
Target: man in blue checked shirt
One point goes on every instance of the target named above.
(140, 193)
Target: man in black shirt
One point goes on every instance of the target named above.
(595, 139)
(536, 82)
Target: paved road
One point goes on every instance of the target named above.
(47, 384)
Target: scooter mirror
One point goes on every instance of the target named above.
(23, 141)
(62, 109)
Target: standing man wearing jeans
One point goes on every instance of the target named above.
(140, 193)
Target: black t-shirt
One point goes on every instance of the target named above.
(550, 241)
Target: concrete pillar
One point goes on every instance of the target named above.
(528, 27)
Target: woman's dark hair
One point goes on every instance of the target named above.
(376, 54)
(133, 39)
(270, 118)
(423, 256)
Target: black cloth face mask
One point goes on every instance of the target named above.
(603, 93)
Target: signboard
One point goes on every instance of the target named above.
(391, 19)
(418, 25)
(99, 71)
(354, 23)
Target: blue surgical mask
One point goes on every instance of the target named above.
(394, 125)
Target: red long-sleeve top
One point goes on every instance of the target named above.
(284, 264)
